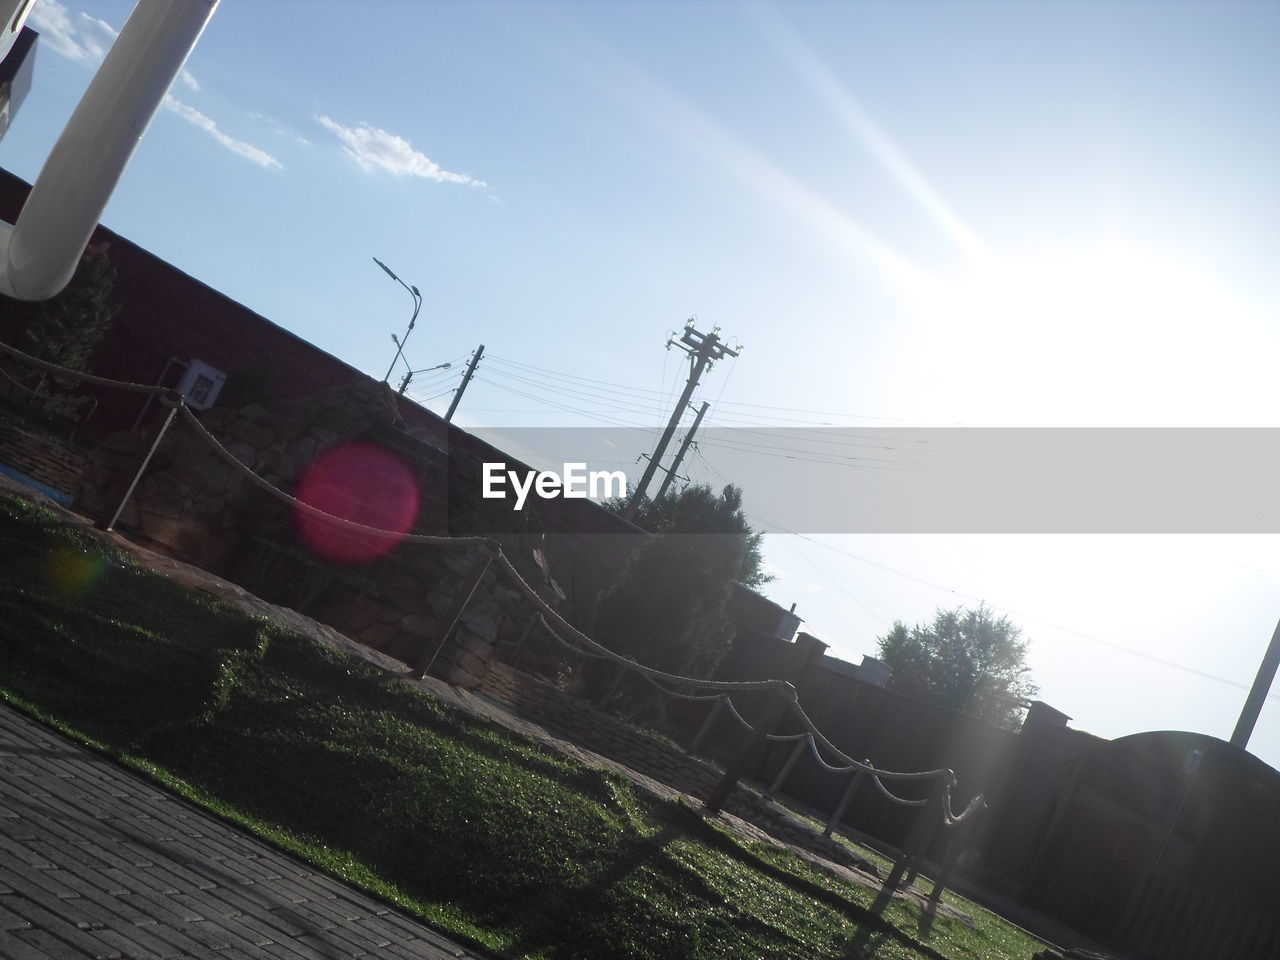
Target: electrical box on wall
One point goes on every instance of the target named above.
(201, 384)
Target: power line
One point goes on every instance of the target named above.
(725, 382)
(530, 368)
(574, 394)
(823, 413)
(436, 396)
(568, 409)
(1162, 661)
(808, 557)
(862, 463)
(819, 435)
(1174, 665)
(668, 393)
(427, 383)
(663, 395)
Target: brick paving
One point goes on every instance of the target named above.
(96, 862)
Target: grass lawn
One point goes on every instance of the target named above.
(488, 836)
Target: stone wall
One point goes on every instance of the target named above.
(198, 507)
(33, 452)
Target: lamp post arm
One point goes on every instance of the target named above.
(417, 305)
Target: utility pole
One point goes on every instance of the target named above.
(1258, 694)
(466, 378)
(703, 350)
(684, 448)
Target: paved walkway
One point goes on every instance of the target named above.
(96, 862)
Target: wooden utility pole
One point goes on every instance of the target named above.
(466, 378)
(703, 350)
(684, 448)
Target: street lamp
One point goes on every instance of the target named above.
(417, 305)
(409, 376)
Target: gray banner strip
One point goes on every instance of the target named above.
(971, 480)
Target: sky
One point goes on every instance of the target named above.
(908, 215)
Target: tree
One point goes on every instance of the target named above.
(966, 660)
(697, 509)
(668, 611)
(68, 328)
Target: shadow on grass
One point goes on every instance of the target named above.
(552, 857)
(874, 931)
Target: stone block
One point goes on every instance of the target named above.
(346, 419)
(162, 506)
(324, 439)
(276, 463)
(460, 677)
(508, 631)
(472, 664)
(380, 636)
(242, 451)
(345, 615)
(400, 585)
(466, 640)
(218, 419)
(458, 560)
(438, 598)
(388, 613)
(302, 451)
(482, 616)
(419, 624)
(254, 434)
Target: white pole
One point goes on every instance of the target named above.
(40, 252)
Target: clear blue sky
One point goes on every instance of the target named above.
(909, 213)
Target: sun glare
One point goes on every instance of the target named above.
(1103, 334)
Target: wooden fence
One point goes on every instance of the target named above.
(1175, 921)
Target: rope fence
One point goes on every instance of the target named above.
(46, 367)
(936, 809)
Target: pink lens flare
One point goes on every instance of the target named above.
(365, 484)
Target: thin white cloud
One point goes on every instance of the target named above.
(86, 39)
(81, 37)
(209, 126)
(279, 128)
(96, 37)
(376, 149)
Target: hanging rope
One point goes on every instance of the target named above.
(47, 367)
(582, 644)
(203, 432)
(809, 725)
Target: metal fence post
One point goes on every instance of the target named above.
(854, 783)
(460, 600)
(744, 760)
(955, 846)
(912, 849)
(785, 772)
(712, 715)
(173, 400)
(524, 637)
